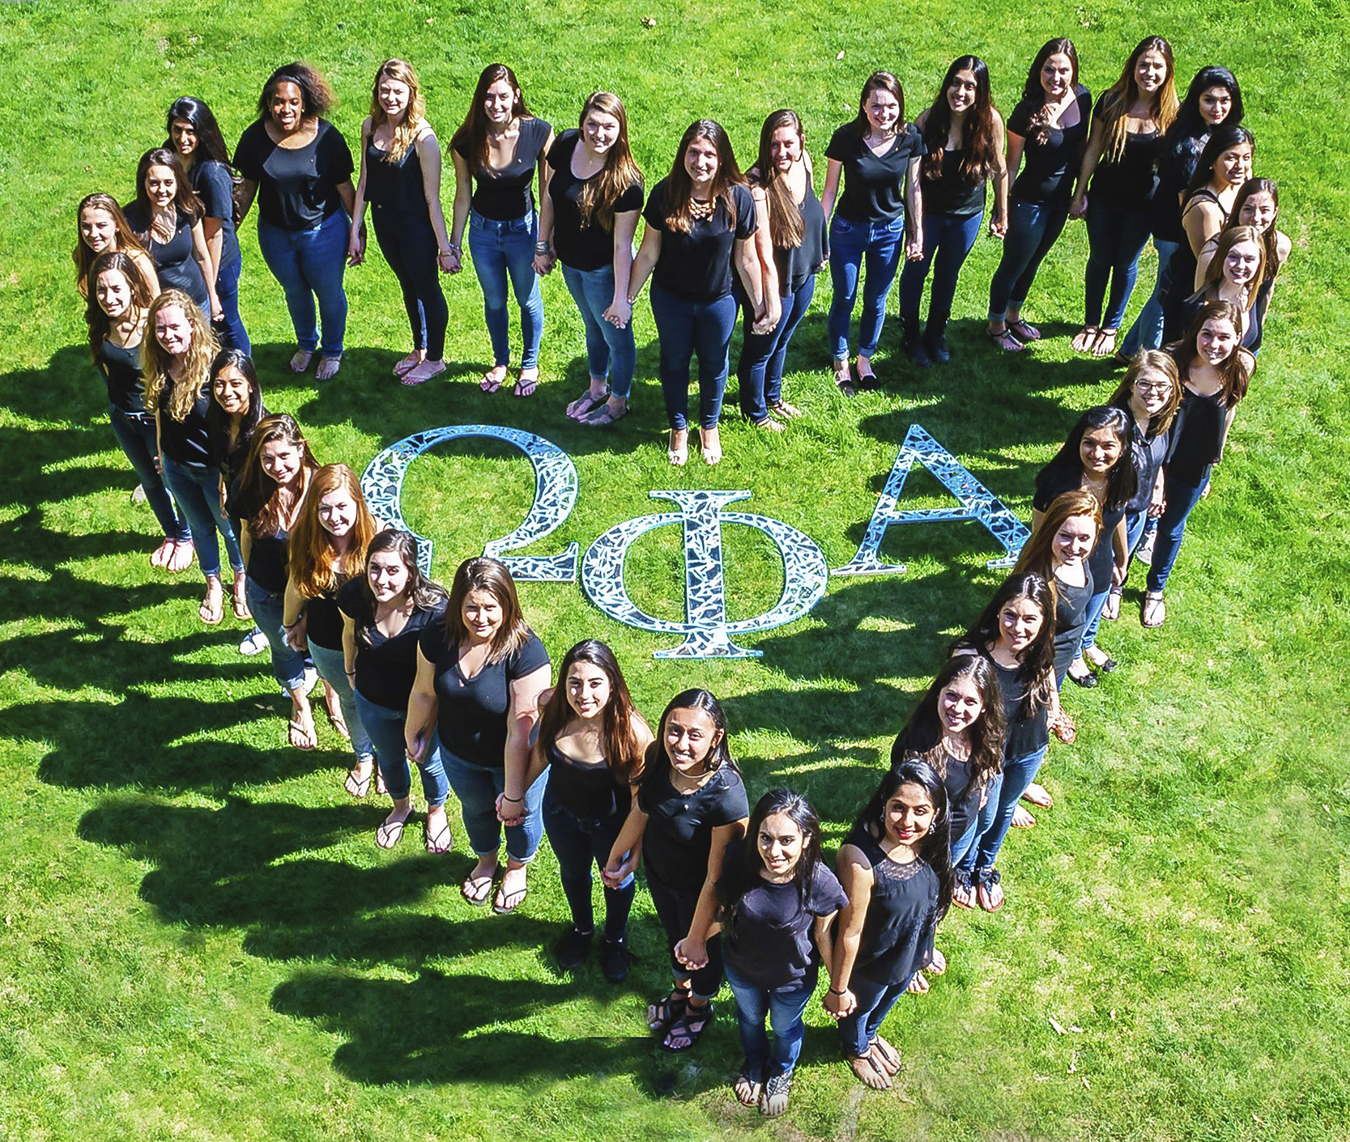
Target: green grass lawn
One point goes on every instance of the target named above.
(201, 940)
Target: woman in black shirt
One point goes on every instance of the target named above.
(119, 301)
(877, 155)
(103, 229)
(268, 497)
(1047, 129)
(895, 867)
(963, 151)
(690, 806)
(479, 676)
(700, 219)
(587, 221)
(300, 168)
(195, 137)
(327, 548)
(776, 901)
(401, 179)
(166, 215)
(792, 247)
(384, 613)
(592, 741)
(497, 151)
(1257, 205)
(1115, 186)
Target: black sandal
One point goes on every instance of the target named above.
(662, 1015)
(690, 1026)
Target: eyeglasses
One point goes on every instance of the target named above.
(1153, 387)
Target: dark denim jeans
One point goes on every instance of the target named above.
(686, 328)
(310, 264)
(502, 251)
(782, 1007)
(947, 242)
(332, 669)
(875, 1001)
(1033, 227)
(996, 817)
(136, 435)
(197, 493)
(385, 728)
(231, 330)
(1116, 238)
(477, 787)
(408, 244)
(610, 352)
(760, 369)
(881, 245)
(1147, 330)
(1182, 494)
(578, 844)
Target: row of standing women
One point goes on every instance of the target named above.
(716, 243)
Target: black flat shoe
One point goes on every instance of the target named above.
(1108, 666)
(1087, 681)
(572, 949)
(614, 957)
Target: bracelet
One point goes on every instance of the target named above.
(517, 800)
(631, 300)
(833, 992)
(541, 247)
(452, 248)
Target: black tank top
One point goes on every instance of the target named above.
(949, 192)
(121, 369)
(397, 186)
(1200, 430)
(897, 935)
(798, 263)
(590, 792)
(1181, 283)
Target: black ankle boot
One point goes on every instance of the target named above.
(913, 345)
(935, 341)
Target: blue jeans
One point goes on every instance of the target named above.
(1147, 330)
(231, 330)
(499, 250)
(882, 244)
(1096, 604)
(578, 844)
(197, 493)
(409, 246)
(783, 1008)
(477, 787)
(1033, 227)
(947, 242)
(136, 435)
(1116, 238)
(996, 817)
(268, 607)
(966, 841)
(875, 1000)
(1182, 496)
(332, 669)
(684, 328)
(386, 730)
(309, 264)
(610, 352)
(760, 369)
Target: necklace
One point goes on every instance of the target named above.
(701, 209)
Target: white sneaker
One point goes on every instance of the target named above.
(255, 642)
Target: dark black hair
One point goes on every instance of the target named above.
(658, 761)
(744, 874)
(210, 142)
(316, 97)
(217, 419)
(1066, 467)
(1224, 137)
(1032, 89)
(922, 734)
(1189, 122)
(1036, 673)
(935, 848)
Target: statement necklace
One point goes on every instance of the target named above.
(701, 210)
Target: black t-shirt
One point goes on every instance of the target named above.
(1149, 454)
(474, 711)
(1071, 603)
(1174, 166)
(297, 189)
(874, 185)
(323, 620)
(1025, 735)
(267, 555)
(697, 265)
(1126, 182)
(897, 935)
(121, 371)
(396, 186)
(214, 186)
(1199, 435)
(951, 192)
(589, 792)
(768, 931)
(1049, 167)
(185, 441)
(508, 194)
(386, 668)
(174, 263)
(678, 837)
(581, 247)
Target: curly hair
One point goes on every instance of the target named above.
(196, 362)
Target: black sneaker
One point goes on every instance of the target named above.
(571, 950)
(614, 960)
(938, 351)
(913, 348)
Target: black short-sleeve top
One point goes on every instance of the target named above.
(297, 189)
(1126, 182)
(323, 620)
(950, 192)
(590, 792)
(1052, 482)
(678, 837)
(1149, 453)
(213, 185)
(507, 194)
(902, 915)
(768, 930)
(474, 711)
(1025, 734)
(874, 185)
(1175, 164)
(267, 554)
(174, 261)
(697, 266)
(1049, 166)
(386, 668)
(395, 185)
(588, 247)
(120, 367)
(186, 441)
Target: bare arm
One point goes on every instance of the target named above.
(293, 616)
(247, 192)
(356, 248)
(914, 212)
(523, 714)
(629, 843)
(771, 310)
(202, 256)
(998, 225)
(645, 262)
(349, 649)
(1091, 156)
(692, 950)
(429, 155)
(1120, 547)
(544, 259)
(856, 878)
(215, 245)
(459, 216)
(538, 761)
(833, 169)
(747, 266)
(421, 708)
(625, 226)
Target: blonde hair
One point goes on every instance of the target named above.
(155, 359)
(1123, 94)
(414, 118)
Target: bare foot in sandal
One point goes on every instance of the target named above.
(677, 451)
(1022, 819)
(183, 555)
(301, 730)
(870, 1072)
(1084, 339)
(1105, 344)
(710, 444)
(212, 609)
(1038, 795)
(410, 362)
(162, 554)
(886, 1055)
(526, 382)
(423, 372)
(589, 401)
(300, 362)
(239, 597)
(493, 378)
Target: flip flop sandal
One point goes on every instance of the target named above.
(587, 404)
(211, 616)
(662, 1015)
(689, 1026)
(747, 1086)
(1023, 332)
(1022, 819)
(328, 368)
(390, 833)
(788, 411)
(525, 386)
(1153, 613)
(883, 1080)
(356, 786)
(889, 1055)
(405, 366)
(961, 881)
(1005, 340)
(477, 889)
(604, 418)
(504, 905)
(300, 360)
(435, 844)
(490, 384)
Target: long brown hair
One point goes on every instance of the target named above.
(1037, 552)
(315, 566)
(472, 134)
(405, 134)
(185, 198)
(100, 324)
(1151, 361)
(1039, 129)
(486, 574)
(785, 219)
(922, 734)
(82, 255)
(1222, 247)
(155, 359)
(600, 194)
(1269, 236)
(266, 502)
(619, 742)
(883, 79)
(679, 202)
(425, 594)
(1124, 93)
(979, 139)
(1236, 371)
